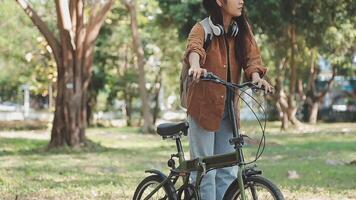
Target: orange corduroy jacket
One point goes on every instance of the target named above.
(206, 100)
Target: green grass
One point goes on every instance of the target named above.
(112, 166)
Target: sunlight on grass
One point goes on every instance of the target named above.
(114, 163)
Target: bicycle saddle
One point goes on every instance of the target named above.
(171, 129)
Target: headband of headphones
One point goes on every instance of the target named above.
(218, 29)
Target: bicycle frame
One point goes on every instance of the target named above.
(206, 164)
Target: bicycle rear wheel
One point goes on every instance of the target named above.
(147, 185)
(256, 188)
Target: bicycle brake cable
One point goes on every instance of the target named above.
(263, 128)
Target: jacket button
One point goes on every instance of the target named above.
(224, 66)
(222, 96)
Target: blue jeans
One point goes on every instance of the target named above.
(204, 143)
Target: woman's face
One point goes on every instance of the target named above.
(231, 7)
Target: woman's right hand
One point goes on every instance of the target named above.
(196, 72)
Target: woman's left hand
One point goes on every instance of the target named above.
(256, 79)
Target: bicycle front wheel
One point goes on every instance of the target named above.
(147, 185)
(256, 187)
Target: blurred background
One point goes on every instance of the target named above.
(113, 67)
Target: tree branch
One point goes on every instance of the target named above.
(321, 96)
(127, 3)
(73, 14)
(43, 28)
(65, 24)
(96, 21)
(92, 31)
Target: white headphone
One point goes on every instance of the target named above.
(218, 30)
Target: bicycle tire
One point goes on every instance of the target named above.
(251, 183)
(168, 189)
(188, 192)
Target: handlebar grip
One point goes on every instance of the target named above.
(209, 76)
(212, 77)
(202, 75)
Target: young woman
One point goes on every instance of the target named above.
(229, 52)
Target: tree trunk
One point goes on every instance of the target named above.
(127, 92)
(68, 126)
(127, 107)
(73, 53)
(282, 100)
(313, 116)
(137, 45)
(92, 101)
(129, 111)
(314, 98)
(157, 89)
(292, 107)
(285, 121)
(283, 104)
(286, 102)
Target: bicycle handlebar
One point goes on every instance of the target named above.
(212, 77)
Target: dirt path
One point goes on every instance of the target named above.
(37, 135)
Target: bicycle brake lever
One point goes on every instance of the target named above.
(256, 89)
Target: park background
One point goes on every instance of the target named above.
(84, 83)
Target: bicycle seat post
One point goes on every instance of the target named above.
(180, 152)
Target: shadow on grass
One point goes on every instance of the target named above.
(28, 147)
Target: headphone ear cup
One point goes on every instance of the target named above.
(222, 31)
(236, 30)
(217, 29)
(233, 29)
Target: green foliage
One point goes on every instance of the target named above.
(25, 57)
(339, 46)
(114, 61)
(327, 26)
(182, 14)
(115, 71)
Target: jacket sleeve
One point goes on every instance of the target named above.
(195, 44)
(254, 61)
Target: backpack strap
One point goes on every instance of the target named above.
(208, 32)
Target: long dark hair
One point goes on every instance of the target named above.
(244, 36)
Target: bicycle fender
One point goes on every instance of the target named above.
(154, 171)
